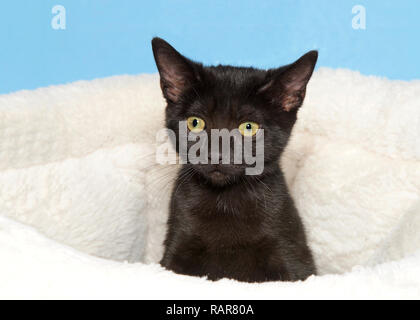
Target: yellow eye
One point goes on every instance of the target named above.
(196, 124)
(249, 129)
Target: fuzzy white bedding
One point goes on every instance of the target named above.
(81, 193)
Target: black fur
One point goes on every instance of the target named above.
(223, 223)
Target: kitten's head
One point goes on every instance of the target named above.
(245, 100)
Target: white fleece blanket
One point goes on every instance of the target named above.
(78, 179)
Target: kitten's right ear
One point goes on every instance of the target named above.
(287, 85)
(177, 73)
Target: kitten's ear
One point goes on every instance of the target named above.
(287, 86)
(177, 73)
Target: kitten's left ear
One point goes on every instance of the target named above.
(287, 86)
(177, 73)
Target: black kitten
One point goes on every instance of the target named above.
(224, 223)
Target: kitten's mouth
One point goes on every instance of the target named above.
(217, 175)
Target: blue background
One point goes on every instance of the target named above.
(109, 37)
